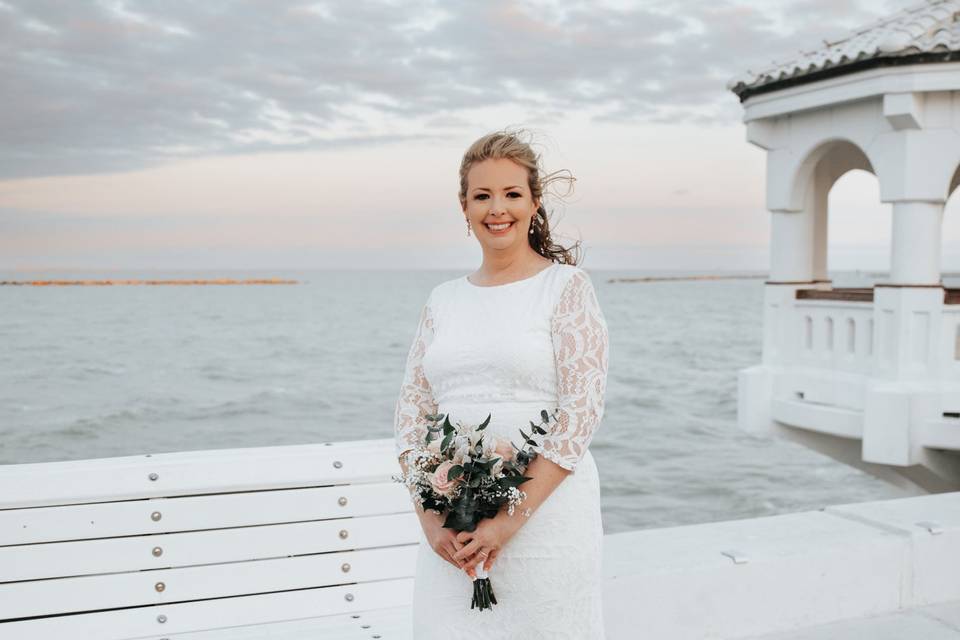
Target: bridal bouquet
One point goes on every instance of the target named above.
(470, 475)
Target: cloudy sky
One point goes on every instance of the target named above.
(287, 134)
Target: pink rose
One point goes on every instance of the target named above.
(504, 450)
(442, 484)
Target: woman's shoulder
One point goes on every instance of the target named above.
(569, 275)
(443, 289)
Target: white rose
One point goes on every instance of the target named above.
(489, 446)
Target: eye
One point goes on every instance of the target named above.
(515, 194)
(480, 196)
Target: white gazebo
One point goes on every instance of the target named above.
(869, 376)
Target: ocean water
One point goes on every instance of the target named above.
(90, 372)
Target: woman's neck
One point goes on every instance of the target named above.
(507, 268)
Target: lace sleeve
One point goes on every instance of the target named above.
(580, 347)
(416, 398)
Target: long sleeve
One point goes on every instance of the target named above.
(580, 347)
(416, 398)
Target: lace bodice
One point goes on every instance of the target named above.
(540, 342)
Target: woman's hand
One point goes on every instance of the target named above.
(490, 535)
(443, 541)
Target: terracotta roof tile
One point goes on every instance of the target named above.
(930, 27)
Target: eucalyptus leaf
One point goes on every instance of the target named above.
(446, 442)
(447, 427)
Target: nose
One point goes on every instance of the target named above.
(496, 206)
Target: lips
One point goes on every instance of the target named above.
(499, 231)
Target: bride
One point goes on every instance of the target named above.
(522, 333)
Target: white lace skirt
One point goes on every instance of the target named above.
(547, 578)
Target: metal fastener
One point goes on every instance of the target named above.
(345, 567)
(157, 552)
(153, 476)
(343, 534)
(161, 618)
(337, 464)
(342, 501)
(348, 597)
(935, 528)
(155, 516)
(736, 556)
(159, 586)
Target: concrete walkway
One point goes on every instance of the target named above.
(932, 622)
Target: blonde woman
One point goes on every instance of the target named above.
(523, 332)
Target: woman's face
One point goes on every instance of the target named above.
(497, 194)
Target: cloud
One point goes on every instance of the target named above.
(110, 85)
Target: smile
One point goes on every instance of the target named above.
(498, 228)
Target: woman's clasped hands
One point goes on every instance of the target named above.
(484, 543)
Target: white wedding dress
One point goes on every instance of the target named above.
(511, 350)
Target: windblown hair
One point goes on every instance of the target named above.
(512, 146)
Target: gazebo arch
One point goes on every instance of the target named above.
(798, 243)
(827, 161)
(865, 375)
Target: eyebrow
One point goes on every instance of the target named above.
(516, 186)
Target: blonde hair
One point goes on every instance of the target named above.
(511, 145)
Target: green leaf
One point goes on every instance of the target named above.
(446, 442)
(455, 472)
(527, 439)
(483, 425)
(484, 465)
(447, 427)
(461, 516)
(512, 481)
(544, 415)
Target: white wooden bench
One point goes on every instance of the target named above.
(316, 541)
(286, 542)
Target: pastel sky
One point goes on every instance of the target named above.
(286, 134)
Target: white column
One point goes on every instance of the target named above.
(817, 201)
(915, 250)
(791, 246)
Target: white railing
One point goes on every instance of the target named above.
(832, 334)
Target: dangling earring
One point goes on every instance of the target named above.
(533, 223)
(468, 226)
